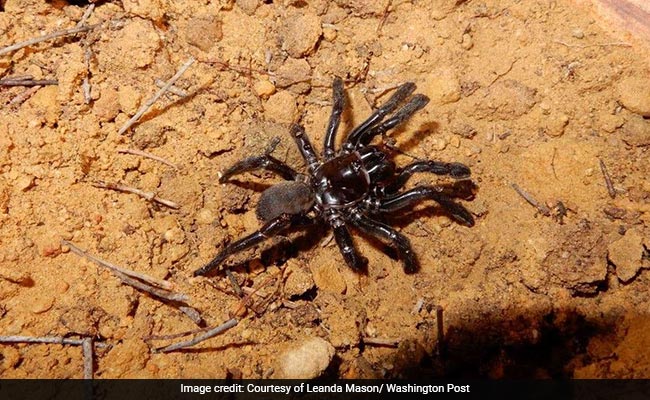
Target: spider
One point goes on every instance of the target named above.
(352, 186)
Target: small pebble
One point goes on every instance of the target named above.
(204, 31)
(302, 33)
(281, 107)
(578, 33)
(25, 182)
(329, 34)
(205, 216)
(264, 88)
(634, 94)
(307, 360)
(42, 303)
(467, 43)
(627, 255)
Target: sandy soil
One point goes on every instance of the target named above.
(530, 93)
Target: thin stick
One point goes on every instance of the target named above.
(541, 207)
(50, 36)
(233, 281)
(42, 339)
(85, 85)
(46, 340)
(152, 100)
(582, 46)
(200, 338)
(608, 179)
(172, 89)
(192, 313)
(380, 341)
(384, 17)
(418, 306)
(143, 277)
(27, 82)
(149, 196)
(24, 96)
(87, 346)
(84, 18)
(141, 153)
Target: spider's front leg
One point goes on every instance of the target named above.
(264, 161)
(338, 102)
(376, 117)
(268, 230)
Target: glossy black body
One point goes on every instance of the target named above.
(351, 186)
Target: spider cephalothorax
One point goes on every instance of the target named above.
(353, 186)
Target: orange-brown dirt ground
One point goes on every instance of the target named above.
(531, 93)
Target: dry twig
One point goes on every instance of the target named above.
(200, 338)
(18, 100)
(143, 277)
(27, 82)
(87, 346)
(608, 179)
(149, 196)
(141, 153)
(373, 341)
(541, 207)
(46, 340)
(155, 97)
(84, 18)
(172, 89)
(50, 36)
(155, 287)
(582, 46)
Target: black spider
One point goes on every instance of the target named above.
(346, 187)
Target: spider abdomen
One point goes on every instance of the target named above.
(292, 197)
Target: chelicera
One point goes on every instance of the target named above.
(354, 186)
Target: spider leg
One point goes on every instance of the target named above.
(268, 230)
(401, 242)
(346, 245)
(393, 102)
(305, 147)
(335, 118)
(403, 114)
(455, 170)
(410, 197)
(265, 161)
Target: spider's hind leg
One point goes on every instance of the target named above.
(346, 245)
(383, 231)
(409, 198)
(455, 170)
